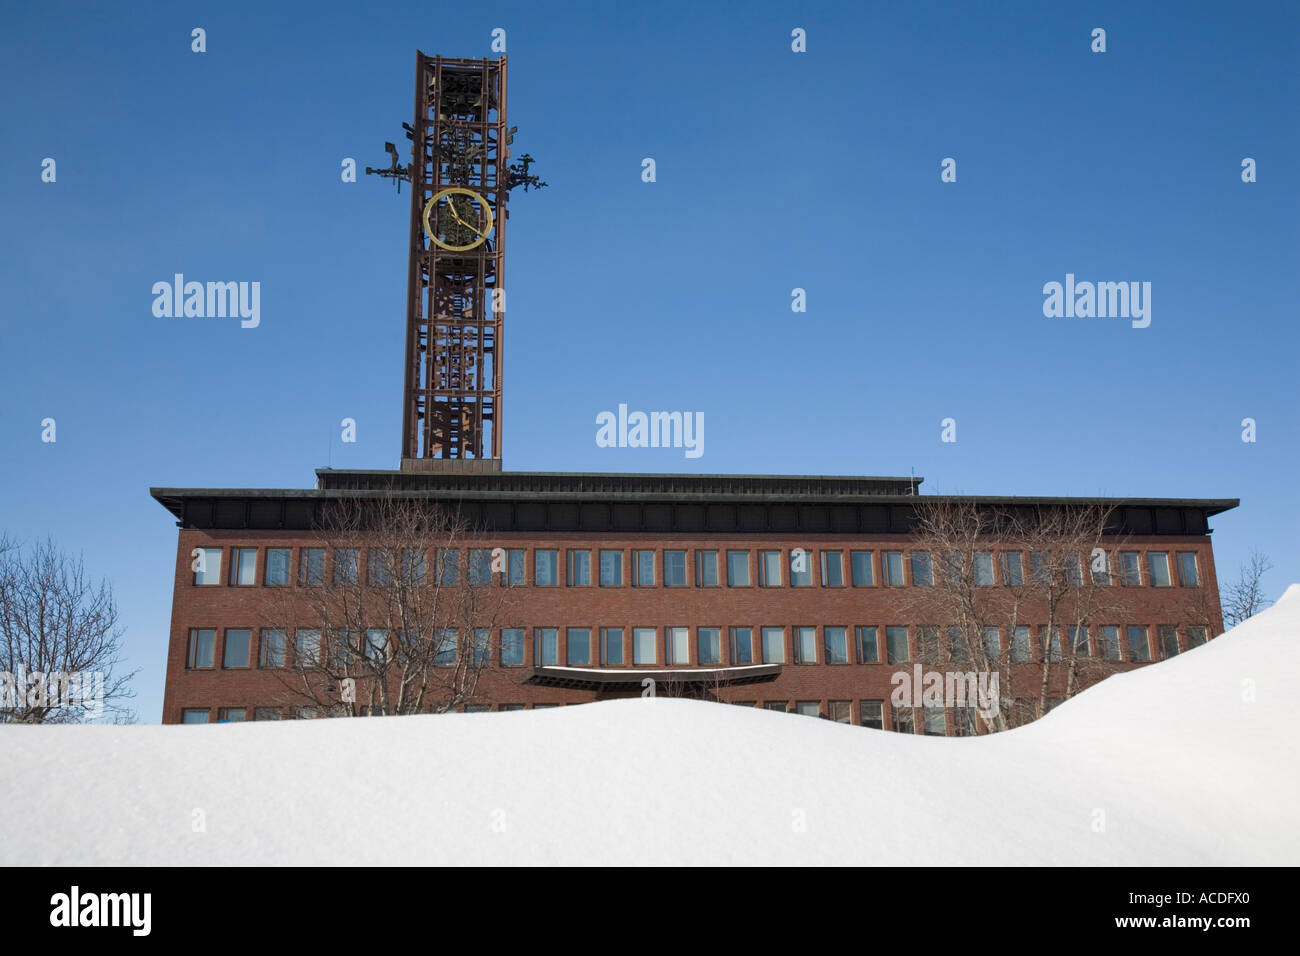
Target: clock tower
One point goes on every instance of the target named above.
(455, 289)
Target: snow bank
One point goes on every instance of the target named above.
(1191, 761)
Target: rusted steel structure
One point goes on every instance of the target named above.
(452, 395)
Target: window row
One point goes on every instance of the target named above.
(698, 646)
(581, 567)
(876, 714)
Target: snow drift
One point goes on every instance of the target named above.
(1190, 761)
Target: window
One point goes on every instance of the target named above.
(546, 572)
(904, 722)
(1099, 563)
(896, 644)
(778, 705)
(922, 569)
(1188, 576)
(1138, 644)
(311, 572)
(1109, 635)
(414, 567)
(203, 643)
(984, 569)
(1053, 645)
(342, 648)
(546, 646)
(706, 569)
(860, 565)
(507, 708)
(1130, 569)
(447, 568)
(744, 703)
(243, 566)
(868, 646)
(800, 569)
(738, 569)
(1079, 642)
(273, 644)
(611, 569)
(515, 558)
(836, 642)
(345, 566)
(954, 568)
(579, 569)
(769, 569)
(1073, 570)
(445, 645)
(1196, 635)
(674, 569)
(308, 713)
(1013, 569)
(709, 644)
(237, 645)
(266, 713)
(544, 706)
(207, 570)
(578, 640)
(1168, 641)
(892, 565)
(376, 644)
(929, 643)
(1020, 648)
(958, 649)
(482, 646)
(1158, 568)
(677, 639)
(809, 708)
(277, 567)
(480, 567)
(805, 645)
(230, 715)
(992, 643)
(833, 573)
(477, 708)
(838, 711)
(773, 640)
(643, 645)
(194, 716)
(1040, 566)
(306, 648)
(644, 568)
(964, 718)
(512, 647)
(934, 722)
(611, 646)
(742, 645)
(871, 713)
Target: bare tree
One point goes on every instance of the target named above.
(1065, 589)
(59, 641)
(400, 624)
(1245, 597)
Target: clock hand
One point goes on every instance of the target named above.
(452, 207)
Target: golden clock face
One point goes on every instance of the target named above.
(457, 219)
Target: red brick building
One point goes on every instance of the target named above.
(687, 579)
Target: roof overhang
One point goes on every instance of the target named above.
(586, 678)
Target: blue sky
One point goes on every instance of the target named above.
(775, 170)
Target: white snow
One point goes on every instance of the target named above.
(1191, 761)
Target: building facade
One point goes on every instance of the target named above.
(786, 592)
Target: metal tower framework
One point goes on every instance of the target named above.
(452, 398)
